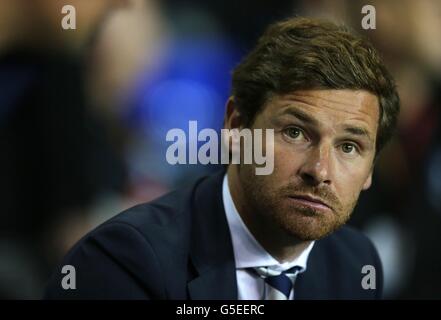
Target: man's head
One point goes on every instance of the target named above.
(332, 105)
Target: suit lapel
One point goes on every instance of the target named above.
(218, 283)
(314, 282)
(211, 250)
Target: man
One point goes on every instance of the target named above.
(238, 235)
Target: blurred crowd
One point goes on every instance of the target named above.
(84, 114)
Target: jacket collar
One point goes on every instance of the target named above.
(211, 249)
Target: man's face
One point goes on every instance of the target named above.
(324, 148)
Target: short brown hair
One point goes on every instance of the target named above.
(307, 54)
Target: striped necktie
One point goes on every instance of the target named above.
(278, 285)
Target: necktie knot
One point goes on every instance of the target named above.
(280, 283)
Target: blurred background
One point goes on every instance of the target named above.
(84, 114)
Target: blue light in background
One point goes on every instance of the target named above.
(193, 83)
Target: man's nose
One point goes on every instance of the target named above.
(316, 168)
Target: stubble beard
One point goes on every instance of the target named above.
(300, 222)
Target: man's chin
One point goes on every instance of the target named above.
(308, 226)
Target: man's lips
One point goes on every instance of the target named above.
(311, 201)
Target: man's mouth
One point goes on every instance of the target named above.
(311, 201)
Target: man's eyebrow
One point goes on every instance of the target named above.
(303, 116)
(300, 115)
(358, 131)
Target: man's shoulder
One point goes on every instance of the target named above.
(337, 266)
(132, 250)
(355, 253)
(351, 241)
(165, 221)
(347, 251)
(171, 211)
(165, 217)
(159, 213)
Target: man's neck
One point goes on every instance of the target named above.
(276, 241)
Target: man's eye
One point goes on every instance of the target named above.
(348, 148)
(293, 133)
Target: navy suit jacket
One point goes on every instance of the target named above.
(179, 247)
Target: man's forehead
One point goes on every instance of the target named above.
(348, 104)
(340, 98)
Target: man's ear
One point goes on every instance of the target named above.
(232, 123)
(233, 118)
(367, 184)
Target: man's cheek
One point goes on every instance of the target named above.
(285, 166)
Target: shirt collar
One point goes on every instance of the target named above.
(248, 253)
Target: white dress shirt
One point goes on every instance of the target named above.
(248, 253)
